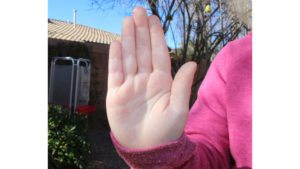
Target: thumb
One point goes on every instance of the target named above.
(181, 88)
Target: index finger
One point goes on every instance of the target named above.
(160, 55)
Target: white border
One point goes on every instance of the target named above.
(276, 85)
(23, 91)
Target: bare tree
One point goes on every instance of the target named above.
(201, 34)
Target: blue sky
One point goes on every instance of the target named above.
(109, 20)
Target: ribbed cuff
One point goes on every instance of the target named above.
(167, 156)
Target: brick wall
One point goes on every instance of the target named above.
(99, 57)
(98, 54)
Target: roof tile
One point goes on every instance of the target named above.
(66, 31)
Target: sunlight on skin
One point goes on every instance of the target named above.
(145, 106)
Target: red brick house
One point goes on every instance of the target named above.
(69, 39)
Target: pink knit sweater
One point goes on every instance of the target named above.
(218, 133)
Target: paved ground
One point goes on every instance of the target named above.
(104, 155)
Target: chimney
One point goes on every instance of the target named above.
(74, 17)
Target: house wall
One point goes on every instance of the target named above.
(99, 57)
(98, 54)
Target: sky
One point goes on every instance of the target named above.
(109, 20)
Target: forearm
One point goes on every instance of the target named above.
(183, 153)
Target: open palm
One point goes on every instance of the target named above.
(145, 106)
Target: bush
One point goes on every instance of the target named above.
(68, 147)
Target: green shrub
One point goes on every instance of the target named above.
(68, 147)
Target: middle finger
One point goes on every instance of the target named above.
(143, 42)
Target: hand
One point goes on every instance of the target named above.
(145, 106)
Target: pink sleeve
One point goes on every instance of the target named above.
(207, 122)
(204, 143)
